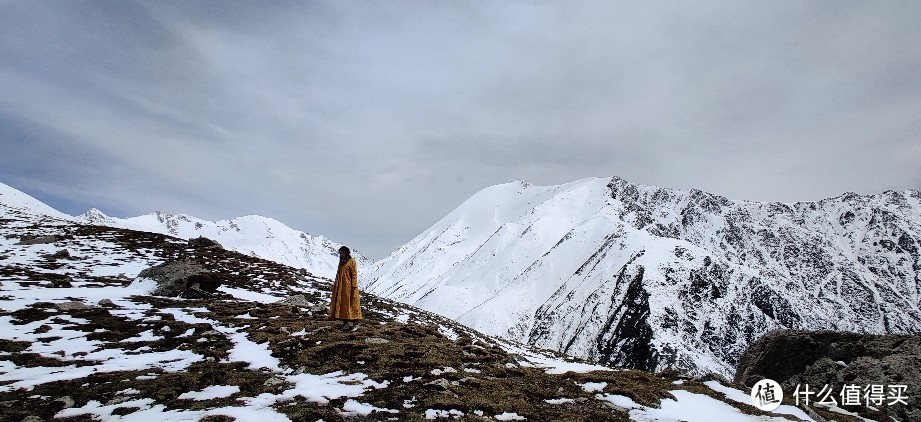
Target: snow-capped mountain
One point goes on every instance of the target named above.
(653, 278)
(253, 235)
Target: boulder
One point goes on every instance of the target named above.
(60, 280)
(839, 359)
(37, 240)
(296, 300)
(61, 254)
(203, 243)
(71, 306)
(171, 276)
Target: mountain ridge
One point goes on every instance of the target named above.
(254, 235)
(653, 277)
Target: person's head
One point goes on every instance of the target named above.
(345, 252)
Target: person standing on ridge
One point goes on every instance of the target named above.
(344, 304)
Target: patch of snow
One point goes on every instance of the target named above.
(744, 398)
(560, 401)
(445, 370)
(249, 295)
(353, 407)
(438, 413)
(143, 336)
(591, 387)
(211, 392)
(687, 407)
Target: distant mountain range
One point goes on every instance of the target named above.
(253, 235)
(656, 278)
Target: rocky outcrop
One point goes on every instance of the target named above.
(202, 242)
(172, 277)
(61, 254)
(38, 240)
(839, 359)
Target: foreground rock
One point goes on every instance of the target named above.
(202, 242)
(841, 361)
(177, 277)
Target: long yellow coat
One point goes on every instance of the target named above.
(344, 303)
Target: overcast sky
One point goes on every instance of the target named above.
(367, 122)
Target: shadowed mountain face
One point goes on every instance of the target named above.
(654, 278)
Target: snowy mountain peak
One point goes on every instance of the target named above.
(95, 216)
(653, 278)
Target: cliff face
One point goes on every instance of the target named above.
(653, 278)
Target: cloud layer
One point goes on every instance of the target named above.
(367, 122)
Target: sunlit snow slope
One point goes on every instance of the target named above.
(651, 278)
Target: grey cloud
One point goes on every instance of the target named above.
(366, 122)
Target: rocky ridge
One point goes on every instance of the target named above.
(656, 278)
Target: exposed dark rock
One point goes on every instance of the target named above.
(207, 282)
(72, 305)
(37, 240)
(171, 276)
(68, 402)
(203, 243)
(61, 254)
(61, 281)
(837, 359)
(627, 340)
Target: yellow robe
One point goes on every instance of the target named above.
(344, 303)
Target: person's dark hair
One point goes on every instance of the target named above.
(346, 249)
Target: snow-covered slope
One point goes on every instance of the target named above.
(15, 201)
(253, 235)
(653, 278)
